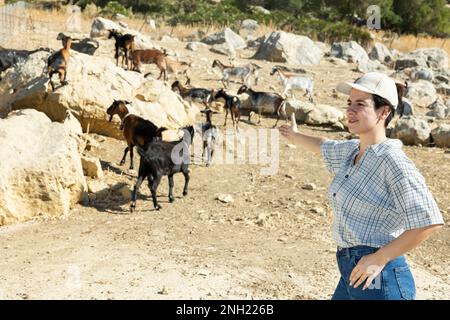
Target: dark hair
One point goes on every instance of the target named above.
(381, 102)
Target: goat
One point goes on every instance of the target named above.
(150, 56)
(123, 42)
(404, 107)
(416, 74)
(210, 135)
(244, 72)
(86, 45)
(136, 130)
(260, 99)
(194, 94)
(177, 67)
(159, 159)
(57, 62)
(294, 82)
(233, 104)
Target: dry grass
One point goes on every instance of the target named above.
(407, 43)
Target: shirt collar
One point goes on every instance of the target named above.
(388, 144)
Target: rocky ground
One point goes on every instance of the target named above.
(270, 240)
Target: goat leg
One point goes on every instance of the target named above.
(51, 81)
(131, 157)
(171, 197)
(186, 180)
(135, 192)
(122, 162)
(153, 188)
(63, 75)
(226, 115)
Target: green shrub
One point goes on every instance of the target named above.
(114, 7)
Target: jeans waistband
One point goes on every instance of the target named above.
(356, 251)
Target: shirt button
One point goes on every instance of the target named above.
(334, 194)
(346, 175)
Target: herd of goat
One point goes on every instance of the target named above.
(156, 155)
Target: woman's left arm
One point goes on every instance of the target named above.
(371, 265)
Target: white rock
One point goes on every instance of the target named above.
(309, 186)
(422, 93)
(225, 198)
(281, 46)
(40, 171)
(227, 36)
(91, 167)
(412, 131)
(441, 135)
(350, 51)
(99, 188)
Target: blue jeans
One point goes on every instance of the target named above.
(395, 282)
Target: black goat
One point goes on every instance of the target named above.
(123, 42)
(158, 159)
(233, 104)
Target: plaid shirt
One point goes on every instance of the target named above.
(380, 197)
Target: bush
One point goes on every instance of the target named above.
(114, 7)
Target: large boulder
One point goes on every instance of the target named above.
(40, 173)
(422, 93)
(94, 83)
(438, 110)
(281, 46)
(381, 53)
(412, 131)
(441, 135)
(365, 66)
(434, 58)
(100, 28)
(349, 51)
(227, 36)
(249, 25)
(196, 45)
(224, 48)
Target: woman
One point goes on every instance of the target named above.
(382, 207)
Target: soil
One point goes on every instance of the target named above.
(273, 241)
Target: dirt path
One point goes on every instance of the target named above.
(272, 241)
(267, 243)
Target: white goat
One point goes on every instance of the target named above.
(244, 72)
(294, 82)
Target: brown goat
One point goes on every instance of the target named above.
(150, 56)
(136, 130)
(57, 62)
(177, 67)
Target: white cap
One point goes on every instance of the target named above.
(374, 83)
